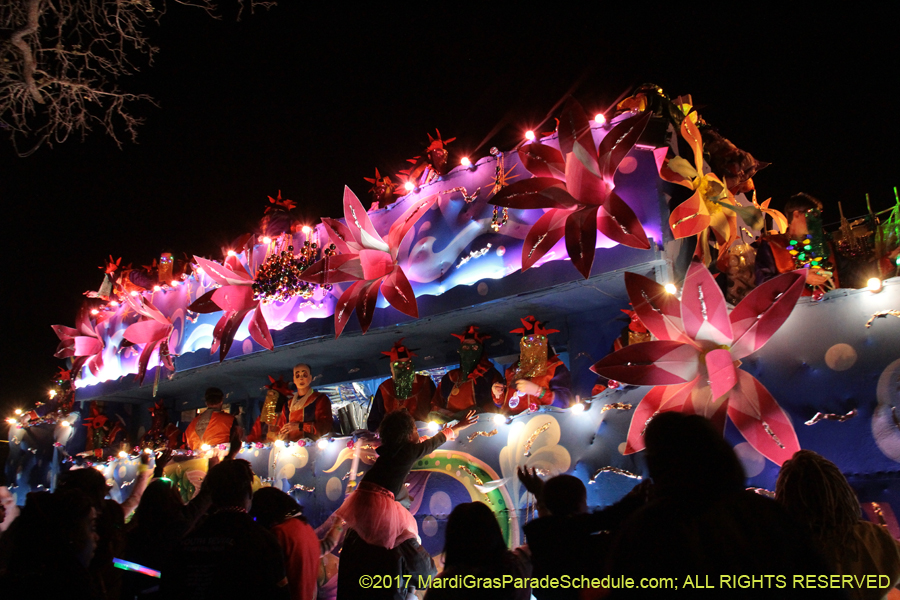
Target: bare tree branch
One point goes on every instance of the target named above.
(59, 65)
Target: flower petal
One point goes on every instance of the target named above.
(658, 400)
(651, 363)
(147, 331)
(234, 298)
(690, 217)
(222, 275)
(616, 145)
(407, 220)
(691, 135)
(542, 160)
(259, 329)
(658, 310)
(365, 302)
(703, 309)
(543, 235)
(618, 222)
(665, 172)
(761, 421)
(359, 224)
(763, 311)
(574, 128)
(341, 236)
(334, 269)
(375, 264)
(537, 192)
(581, 238)
(399, 293)
(722, 374)
(345, 306)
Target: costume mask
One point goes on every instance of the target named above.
(404, 376)
(469, 356)
(532, 356)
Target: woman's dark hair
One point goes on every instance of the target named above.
(397, 428)
(88, 480)
(230, 483)
(160, 505)
(816, 494)
(272, 506)
(473, 537)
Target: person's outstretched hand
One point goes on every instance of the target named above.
(531, 481)
(470, 419)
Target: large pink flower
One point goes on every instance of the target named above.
(694, 361)
(235, 299)
(367, 260)
(575, 185)
(153, 332)
(83, 345)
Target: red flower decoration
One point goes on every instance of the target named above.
(575, 185)
(367, 260)
(235, 299)
(84, 344)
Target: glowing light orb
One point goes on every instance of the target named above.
(408, 186)
(874, 285)
(465, 161)
(599, 118)
(578, 408)
(529, 135)
(670, 288)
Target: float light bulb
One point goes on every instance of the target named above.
(267, 240)
(465, 161)
(11, 421)
(433, 426)
(156, 288)
(670, 288)
(232, 253)
(64, 423)
(874, 285)
(18, 411)
(123, 454)
(148, 451)
(205, 447)
(174, 283)
(51, 393)
(499, 419)
(94, 311)
(408, 186)
(279, 443)
(599, 118)
(322, 443)
(306, 230)
(134, 293)
(577, 408)
(529, 135)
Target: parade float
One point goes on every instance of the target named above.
(605, 228)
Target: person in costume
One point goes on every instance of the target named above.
(371, 510)
(404, 389)
(308, 414)
(537, 377)
(802, 246)
(475, 384)
(213, 426)
(268, 426)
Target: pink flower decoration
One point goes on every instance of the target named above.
(84, 344)
(153, 332)
(235, 298)
(693, 364)
(575, 185)
(367, 260)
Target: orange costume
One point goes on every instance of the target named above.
(534, 365)
(213, 427)
(312, 413)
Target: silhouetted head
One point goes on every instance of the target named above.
(565, 495)
(214, 397)
(88, 480)
(397, 427)
(815, 493)
(272, 506)
(230, 484)
(473, 536)
(687, 456)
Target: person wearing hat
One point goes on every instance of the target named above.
(213, 426)
(537, 378)
(404, 389)
(475, 384)
(271, 417)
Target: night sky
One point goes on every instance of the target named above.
(306, 100)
